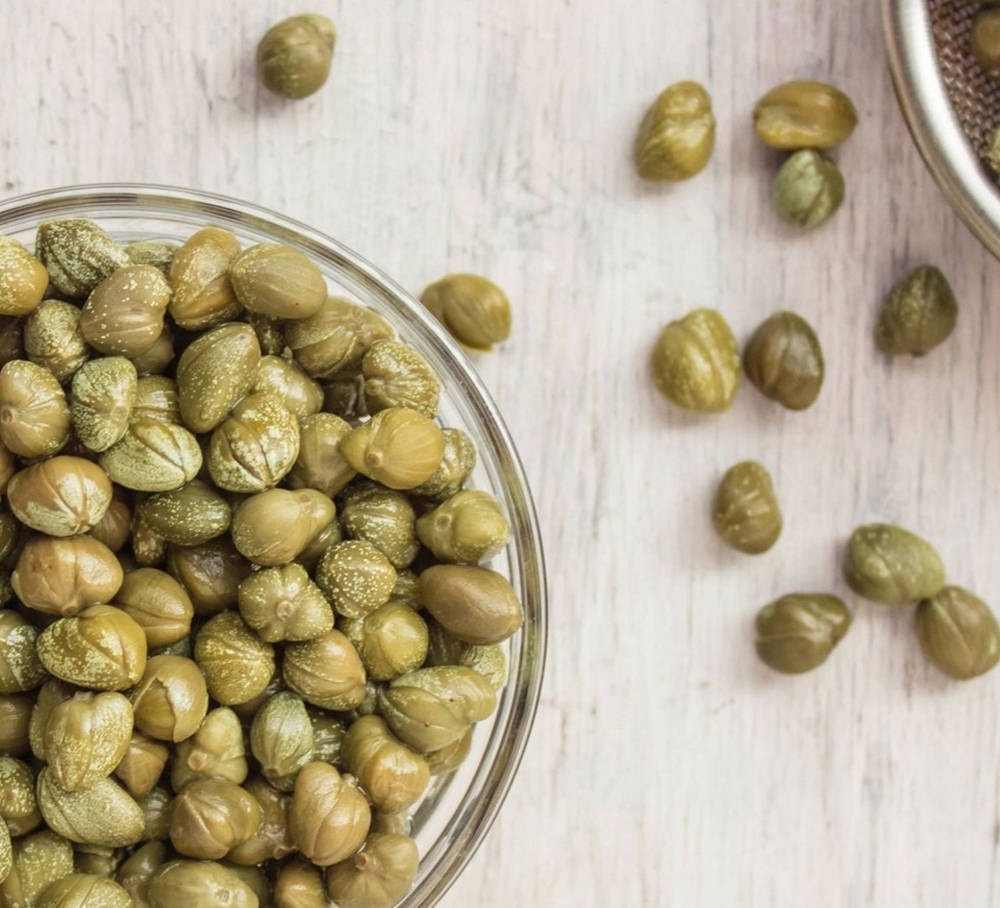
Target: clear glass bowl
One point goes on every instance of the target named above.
(459, 809)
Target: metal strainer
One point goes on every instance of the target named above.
(951, 105)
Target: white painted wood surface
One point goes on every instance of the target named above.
(667, 766)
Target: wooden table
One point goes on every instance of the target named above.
(667, 767)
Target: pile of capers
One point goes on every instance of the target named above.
(244, 616)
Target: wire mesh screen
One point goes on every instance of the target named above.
(975, 95)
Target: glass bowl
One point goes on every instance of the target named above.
(458, 810)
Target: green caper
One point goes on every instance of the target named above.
(236, 663)
(356, 577)
(294, 56)
(391, 640)
(158, 604)
(958, 633)
(328, 818)
(34, 863)
(804, 114)
(23, 278)
(211, 573)
(397, 376)
(97, 861)
(123, 315)
(171, 698)
(156, 400)
(15, 722)
(141, 767)
(104, 392)
(272, 840)
(807, 189)
(797, 632)
(286, 381)
(155, 807)
(745, 509)
(152, 252)
(677, 134)
(466, 529)
(474, 309)
(82, 890)
(190, 515)
(784, 361)
(282, 603)
(393, 776)
(198, 883)
(53, 339)
(276, 280)
(86, 737)
(335, 339)
(78, 255)
(457, 463)
(18, 806)
(34, 415)
(383, 517)
(211, 816)
(20, 667)
(378, 875)
(148, 547)
(328, 737)
(320, 465)
(103, 814)
(448, 758)
(203, 297)
(281, 739)
(397, 447)
(298, 884)
(984, 40)
(138, 868)
(696, 363)
(275, 526)
(153, 457)
(214, 751)
(326, 672)
(917, 314)
(890, 565)
(474, 604)
(344, 396)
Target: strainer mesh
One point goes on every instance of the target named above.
(974, 94)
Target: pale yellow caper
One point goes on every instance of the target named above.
(397, 447)
(278, 281)
(804, 114)
(676, 135)
(23, 278)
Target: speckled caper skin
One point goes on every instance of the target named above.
(149, 548)
(81, 890)
(391, 640)
(457, 462)
(745, 509)
(34, 414)
(326, 672)
(356, 577)
(294, 55)
(797, 632)
(676, 135)
(101, 648)
(198, 883)
(153, 457)
(468, 528)
(64, 575)
(320, 465)
(214, 372)
(37, 861)
(784, 361)
(984, 40)
(171, 699)
(86, 737)
(123, 316)
(918, 313)
(335, 338)
(804, 114)
(287, 382)
(281, 739)
(283, 603)
(378, 875)
(152, 252)
(61, 496)
(431, 708)
(156, 400)
(397, 376)
(158, 604)
(807, 189)
(190, 515)
(53, 338)
(328, 818)
(103, 814)
(23, 278)
(103, 395)
(696, 362)
(202, 296)
(958, 633)
(18, 804)
(474, 604)
(383, 517)
(78, 254)
(236, 663)
(892, 566)
(397, 447)
(158, 356)
(473, 309)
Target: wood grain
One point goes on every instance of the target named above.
(667, 766)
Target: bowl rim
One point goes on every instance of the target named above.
(186, 202)
(932, 122)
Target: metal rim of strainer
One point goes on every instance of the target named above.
(927, 109)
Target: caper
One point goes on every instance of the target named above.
(62, 576)
(190, 515)
(137, 870)
(198, 883)
(784, 361)
(104, 392)
(273, 527)
(171, 699)
(287, 382)
(211, 816)
(676, 135)
(15, 720)
(474, 309)
(890, 565)
(299, 885)
(211, 573)
(156, 400)
(157, 357)
(393, 776)
(797, 632)
(142, 765)
(153, 457)
(328, 818)
(82, 890)
(203, 297)
(148, 547)
(984, 39)
(958, 633)
(102, 814)
(23, 278)
(326, 672)
(917, 314)
(61, 496)
(158, 604)
(155, 807)
(282, 603)
(34, 863)
(272, 840)
(391, 640)
(123, 316)
(236, 663)
(804, 114)
(281, 739)
(378, 875)
(78, 255)
(98, 861)
(152, 252)
(294, 56)
(34, 415)
(335, 339)
(278, 281)
(696, 363)
(214, 751)
(467, 528)
(356, 577)
(18, 804)
(397, 376)
(320, 465)
(474, 604)
(86, 738)
(113, 528)
(255, 447)
(457, 463)
(745, 509)
(53, 338)
(807, 189)
(397, 447)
